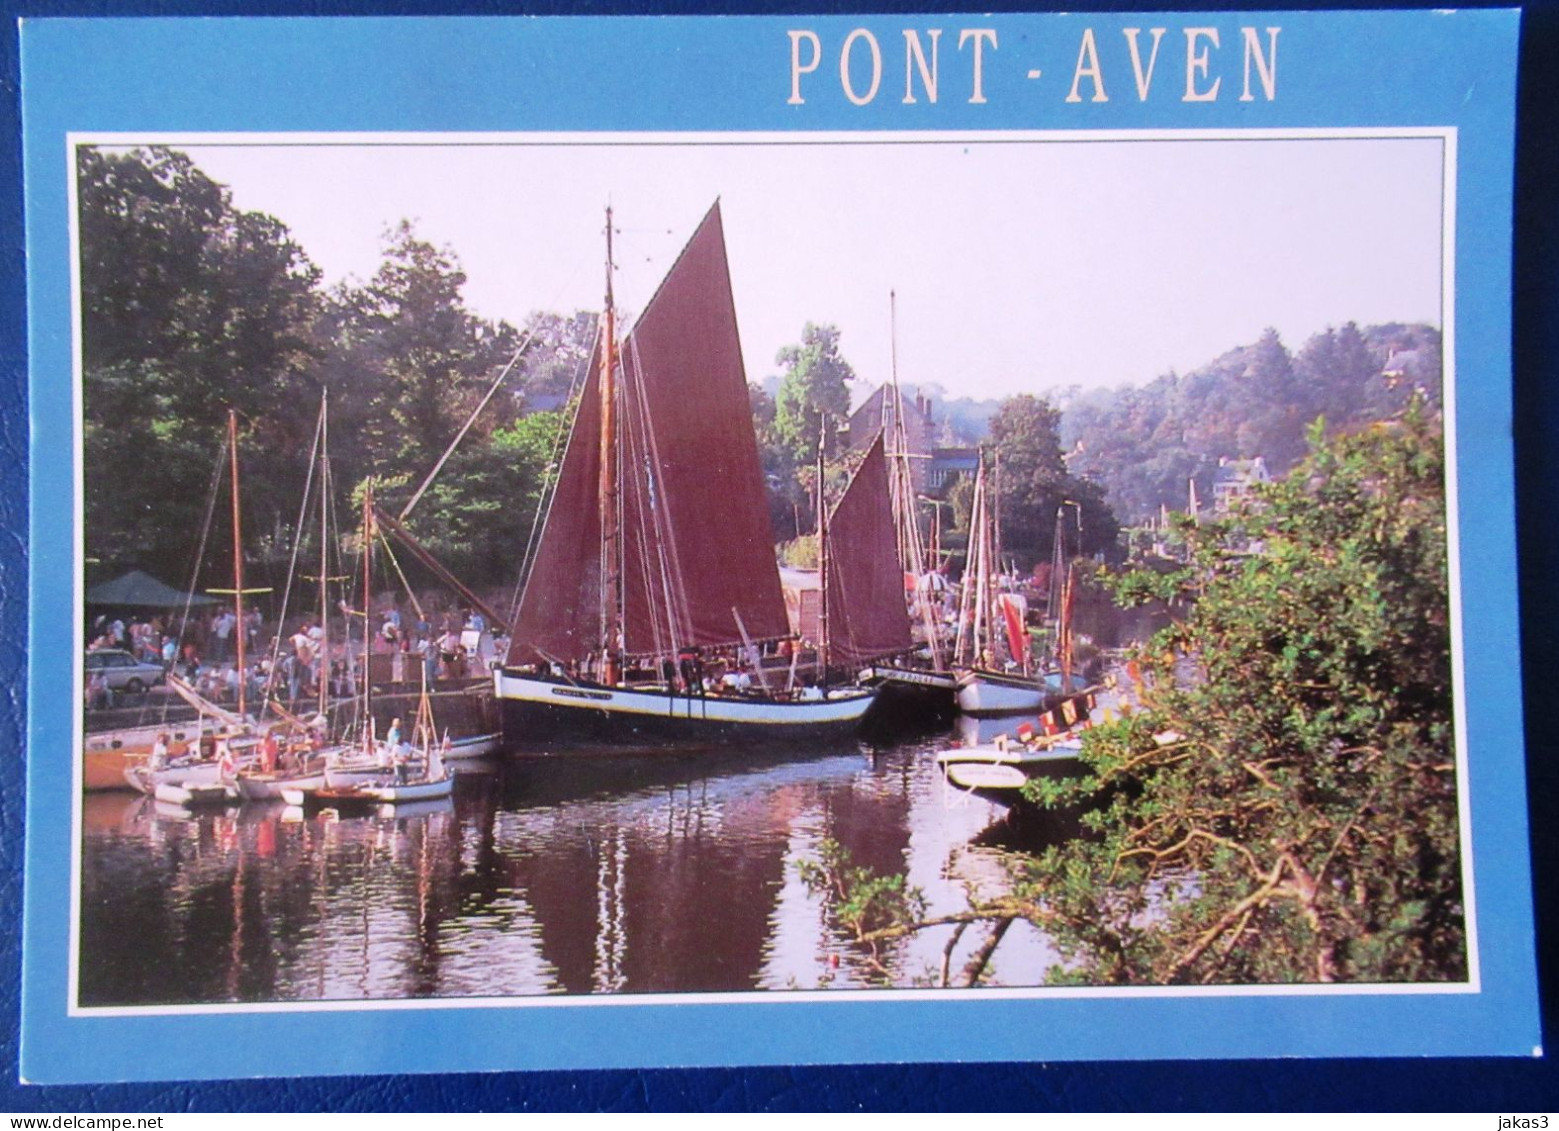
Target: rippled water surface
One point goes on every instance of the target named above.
(564, 874)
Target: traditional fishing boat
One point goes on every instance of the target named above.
(992, 652)
(864, 617)
(915, 686)
(656, 556)
(865, 621)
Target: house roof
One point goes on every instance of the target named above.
(1241, 471)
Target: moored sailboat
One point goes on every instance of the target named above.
(991, 625)
(915, 687)
(656, 554)
(1050, 747)
(167, 769)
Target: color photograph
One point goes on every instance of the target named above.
(472, 623)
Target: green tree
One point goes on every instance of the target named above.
(476, 518)
(813, 392)
(560, 349)
(145, 218)
(189, 307)
(787, 495)
(1035, 484)
(1284, 807)
(430, 347)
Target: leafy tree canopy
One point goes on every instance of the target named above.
(1283, 808)
(813, 391)
(192, 307)
(1035, 485)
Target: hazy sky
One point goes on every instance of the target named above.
(1020, 264)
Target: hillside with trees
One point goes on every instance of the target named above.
(1146, 444)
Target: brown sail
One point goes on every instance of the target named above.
(697, 551)
(867, 614)
(559, 617)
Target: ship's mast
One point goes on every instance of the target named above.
(238, 554)
(324, 557)
(368, 609)
(899, 480)
(611, 550)
(901, 490)
(822, 559)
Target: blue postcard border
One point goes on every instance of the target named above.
(160, 75)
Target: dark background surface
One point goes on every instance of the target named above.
(1509, 1086)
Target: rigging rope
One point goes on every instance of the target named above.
(674, 578)
(200, 550)
(389, 553)
(668, 564)
(292, 566)
(466, 427)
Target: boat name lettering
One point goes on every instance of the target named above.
(576, 693)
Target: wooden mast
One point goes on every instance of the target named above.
(822, 558)
(1062, 580)
(902, 489)
(324, 560)
(238, 555)
(368, 599)
(996, 517)
(611, 548)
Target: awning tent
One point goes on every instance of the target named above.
(140, 590)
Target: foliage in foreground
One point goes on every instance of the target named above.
(1281, 804)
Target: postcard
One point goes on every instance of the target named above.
(770, 540)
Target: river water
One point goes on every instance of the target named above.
(545, 875)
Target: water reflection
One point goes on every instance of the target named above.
(576, 875)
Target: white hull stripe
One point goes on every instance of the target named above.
(712, 708)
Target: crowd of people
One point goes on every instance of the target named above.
(311, 659)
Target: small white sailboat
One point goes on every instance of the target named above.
(473, 746)
(417, 775)
(384, 773)
(233, 752)
(203, 783)
(403, 782)
(277, 771)
(190, 794)
(1048, 747)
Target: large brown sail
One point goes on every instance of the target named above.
(698, 547)
(559, 617)
(698, 555)
(867, 614)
